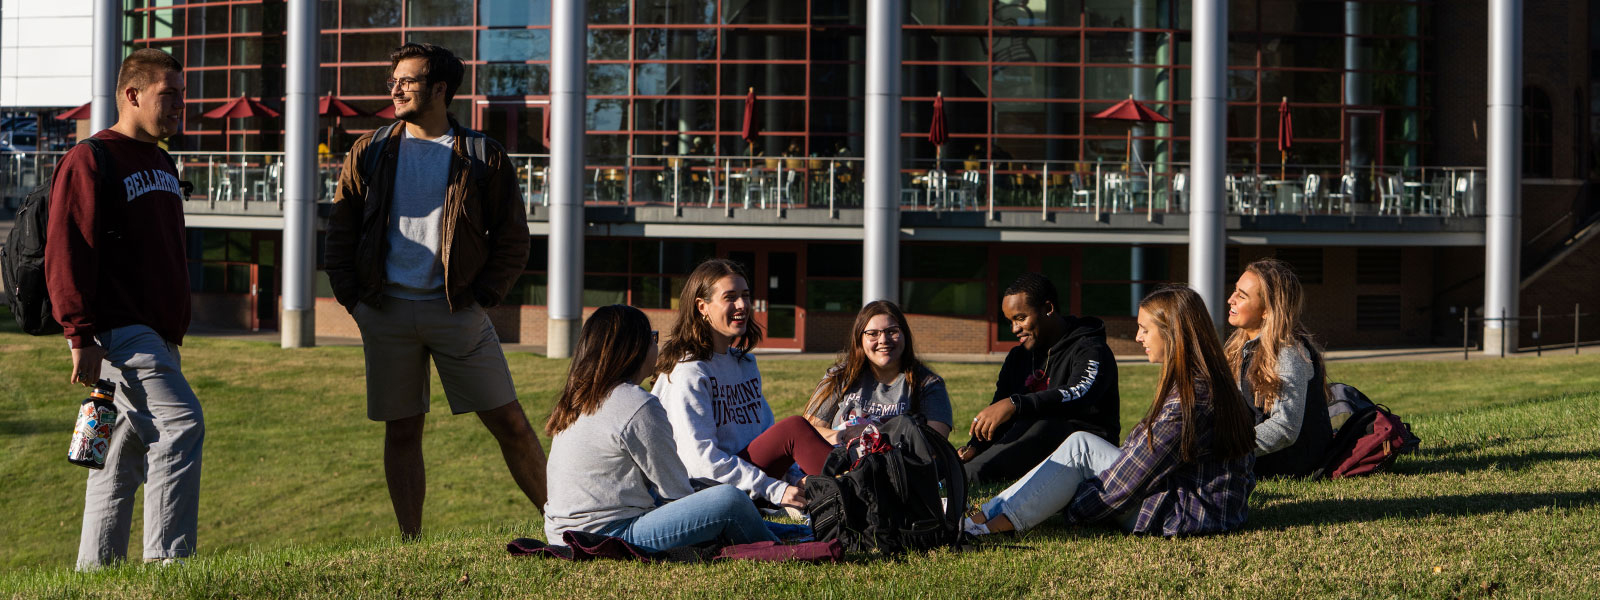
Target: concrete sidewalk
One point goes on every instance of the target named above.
(1389, 354)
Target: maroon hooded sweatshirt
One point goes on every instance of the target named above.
(117, 260)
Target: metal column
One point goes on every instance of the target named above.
(107, 59)
(1502, 254)
(300, 189)
(880, 268)
(1207, 127)
(568, 92)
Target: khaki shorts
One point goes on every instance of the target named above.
(399, 338)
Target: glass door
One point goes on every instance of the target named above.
(264, 282)
(1363, 149)
(774, 271)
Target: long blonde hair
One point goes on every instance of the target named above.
(1282, 328)
(1194, 358)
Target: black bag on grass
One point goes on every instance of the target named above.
(897, 487)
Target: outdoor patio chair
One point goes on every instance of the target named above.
(1307, 198)
(1081, 198)
(1391, 192)
(1180, 193)
(1346, 194)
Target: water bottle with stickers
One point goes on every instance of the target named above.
(97, 417)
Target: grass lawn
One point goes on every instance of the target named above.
(1503, 500)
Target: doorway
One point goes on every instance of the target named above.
(774, 271)
(264, 281)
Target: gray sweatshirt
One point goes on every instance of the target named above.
(1282, 426)
(716, 409)
(617, 463)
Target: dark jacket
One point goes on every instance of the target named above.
(1311, 446)
(1079, 384)
(484, 243)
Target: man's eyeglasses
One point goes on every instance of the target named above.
(894, 333)
(407, 84)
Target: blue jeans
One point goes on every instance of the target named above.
(1048, 488)
(722, 512)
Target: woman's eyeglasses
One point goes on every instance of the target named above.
(894, 333)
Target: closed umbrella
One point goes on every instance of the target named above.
(1285, 135)
(748, 132)
(936, 132)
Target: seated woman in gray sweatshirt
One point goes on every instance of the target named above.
(1279, 369)
(613, 467)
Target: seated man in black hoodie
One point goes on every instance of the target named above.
(1062, 378)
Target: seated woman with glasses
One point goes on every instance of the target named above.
(877, 377)
(613, 465)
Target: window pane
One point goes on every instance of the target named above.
(607, 115)
(658, 292)
(679, 12)
(513, 13)
(661, 256)
(943, 262)
(762, 13)
(763, 44)
(677, 44)
(513, 80)
(211, 278)
(459, 42)
(768, 79)
(366, 13)
(607, 80)
(1108, 300)
(608, 44)
(438, 13)
(515, 45)
(529, 290)
(605, 290)
(833, 260)
(608, 12)
(1106, 263)
(368, 47)
(833, 295)
(660, 79)
(943, 297)
(238, 279)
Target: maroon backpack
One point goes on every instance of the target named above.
(1368, 442)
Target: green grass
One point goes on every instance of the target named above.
(1503, 500)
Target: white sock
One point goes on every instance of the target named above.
(974, 528)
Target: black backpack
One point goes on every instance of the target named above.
(22, 258)
(899, 487)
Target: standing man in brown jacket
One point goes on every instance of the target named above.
(427, 229)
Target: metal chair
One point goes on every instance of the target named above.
(1307, 197)
(1391, 192)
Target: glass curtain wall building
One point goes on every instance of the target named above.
(1022, 79)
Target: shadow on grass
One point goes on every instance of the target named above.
(1330, 512)
(10, 426)
(1482, 462)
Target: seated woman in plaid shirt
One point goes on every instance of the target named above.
(1185, 468)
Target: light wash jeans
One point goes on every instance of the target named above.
(156, 443)
(717, 512)
(1048, 488)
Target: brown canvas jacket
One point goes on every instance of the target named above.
(484, 245)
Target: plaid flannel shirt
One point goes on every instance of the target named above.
(1174, 498)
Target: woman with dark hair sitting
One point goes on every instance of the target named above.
(1280, 370)
(1184, 469)
(613, 469)
(877, 377)
(711, 388)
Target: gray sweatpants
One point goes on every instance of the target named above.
(156, 443)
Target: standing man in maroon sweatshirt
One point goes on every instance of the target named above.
(119, 281)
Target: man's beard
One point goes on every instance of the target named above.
(413, 110)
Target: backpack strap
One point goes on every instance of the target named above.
(374, 151)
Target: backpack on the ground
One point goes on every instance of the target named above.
(22, 258)
(1367, 439)
(897, 487)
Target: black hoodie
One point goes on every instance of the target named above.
(1080, 384)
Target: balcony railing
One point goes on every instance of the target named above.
(246, 182)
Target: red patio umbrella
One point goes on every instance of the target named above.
(77, 114)
(749, 131)
(387, 112)
(936, 132)
(331, 106)
(240, 108)
(1285, 135)
(1131, 110)
(544, 128)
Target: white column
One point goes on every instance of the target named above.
(880, 269)
(1503, 250)
(300, 189)
(568, 93)
(1207, 128)
(107, 59)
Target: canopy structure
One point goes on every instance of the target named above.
(77, 114)
(239, 108)
(1134, 112)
